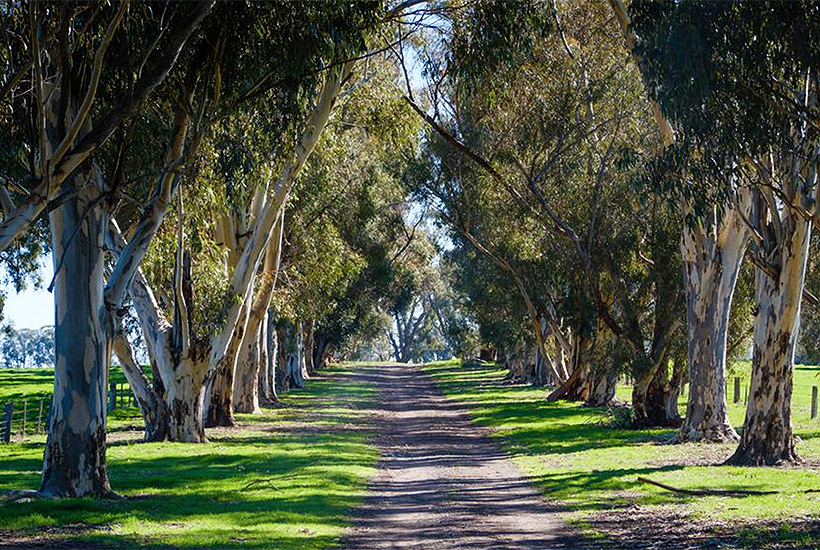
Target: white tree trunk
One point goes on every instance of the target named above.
(711, 264)
(295, 361)
(246, 382)
(767, 437)
(185, 394)
(266, 363)
(273, 359)
(74, 463)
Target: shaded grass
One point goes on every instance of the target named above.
(577, 460)
(270, 483)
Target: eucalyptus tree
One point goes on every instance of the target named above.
(66, 166)
(349, 187)
(713, 244)
(563, 151)
(744, 98)
(190, 362)
(410, 301)
(92, 68)
(494, 306)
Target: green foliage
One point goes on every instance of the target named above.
(494, 34)
(732, 77)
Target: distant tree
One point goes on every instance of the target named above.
(13, 347)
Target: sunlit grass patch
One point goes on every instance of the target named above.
(273, 483)
(576, 459)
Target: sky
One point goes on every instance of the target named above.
(31, 308)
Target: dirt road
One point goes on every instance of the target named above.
(442, 482)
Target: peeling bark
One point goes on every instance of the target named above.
(219, 397)
(711, 266)
(767, 437)
(185, 400)
(246, 383)
(74, 462)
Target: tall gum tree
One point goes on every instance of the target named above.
(251, 357)
(752, 107)
(74, 458)
(526, 151)
(712, 251)
(188, 365)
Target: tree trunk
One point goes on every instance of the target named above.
(74, 462)
(267, 363)
(573, 388)
(650, 396)
(295, 359)
(185, 395)
(219, 397)
(246, 388)
(151, 402)
(600, 387)
(282, 381)
(711, 268)
(594, 386)
(273, 360)
(679, 370)
(309, 340)
(767, 437)
(320, 351)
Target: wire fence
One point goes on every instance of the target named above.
(24, 418)
(805, 392)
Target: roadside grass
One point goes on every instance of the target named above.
(577, 459)
(284, 479)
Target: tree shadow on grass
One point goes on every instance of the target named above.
(248, 489)
(310, 480)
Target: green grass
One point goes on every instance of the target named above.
(29, 384)
(284, 479)
(578, 460)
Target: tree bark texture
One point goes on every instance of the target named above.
(711, 266)
(74, 462)
(767, 436)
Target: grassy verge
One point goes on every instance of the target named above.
(577, 460)
(284, 479)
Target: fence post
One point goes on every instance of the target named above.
(737, 389)
(25, 411)
(39, 416)
(112, 396)
(813, 402)
(9, 410)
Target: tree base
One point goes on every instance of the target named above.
(749, 456)
(713, 434)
